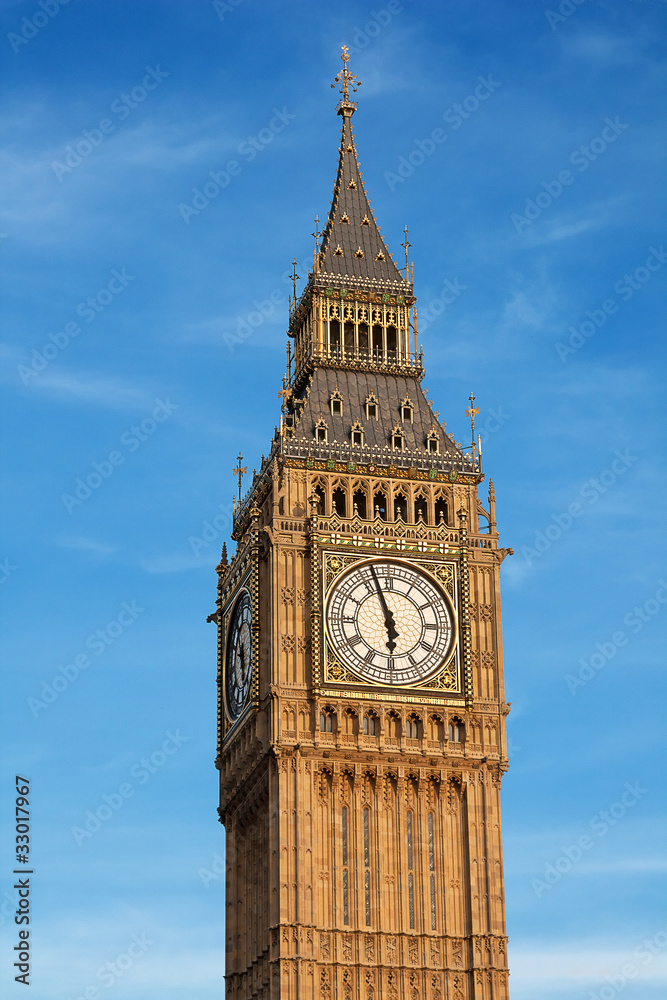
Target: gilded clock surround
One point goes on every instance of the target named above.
(335, 563)
(364, 856)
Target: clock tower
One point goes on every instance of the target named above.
(361, 705)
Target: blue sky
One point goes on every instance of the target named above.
(133, 353)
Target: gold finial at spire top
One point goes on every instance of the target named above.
(348, 81)
(407, 246)
(240, 471)
(472, 412)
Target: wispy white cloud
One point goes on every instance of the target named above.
(82, 544)
(88, 388)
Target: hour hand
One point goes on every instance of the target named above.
(389, 622)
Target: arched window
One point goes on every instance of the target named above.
(378, 346)
(421, 509)
(380, 505)
(400, 507)
(412, 726)
(338, 501)
(441, 512)
(391, 340)
(363, 339)
(371, 724)
(319, 493)
(359, 503)
(455, 731)
(327, 720)
(349, 338)
(334, 336)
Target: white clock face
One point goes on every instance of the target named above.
(390, 622)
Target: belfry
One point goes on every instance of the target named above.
(361, 711)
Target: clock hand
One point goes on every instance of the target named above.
(389, 622)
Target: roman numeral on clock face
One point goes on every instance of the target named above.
(355, 640)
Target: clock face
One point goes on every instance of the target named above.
(390, 622)
(238, 672)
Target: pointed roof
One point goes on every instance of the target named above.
(351, 241)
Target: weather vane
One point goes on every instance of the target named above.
(347, 79)
(317, 234)
(240, 471)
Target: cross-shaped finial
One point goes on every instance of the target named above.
(346, 78)
(294, 276)
(240, 471)
(472, 412)
(284, 393)
(407, 245)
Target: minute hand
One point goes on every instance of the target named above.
(390, 625)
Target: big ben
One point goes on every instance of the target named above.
(361, 705)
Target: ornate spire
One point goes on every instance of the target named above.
(351, 245)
